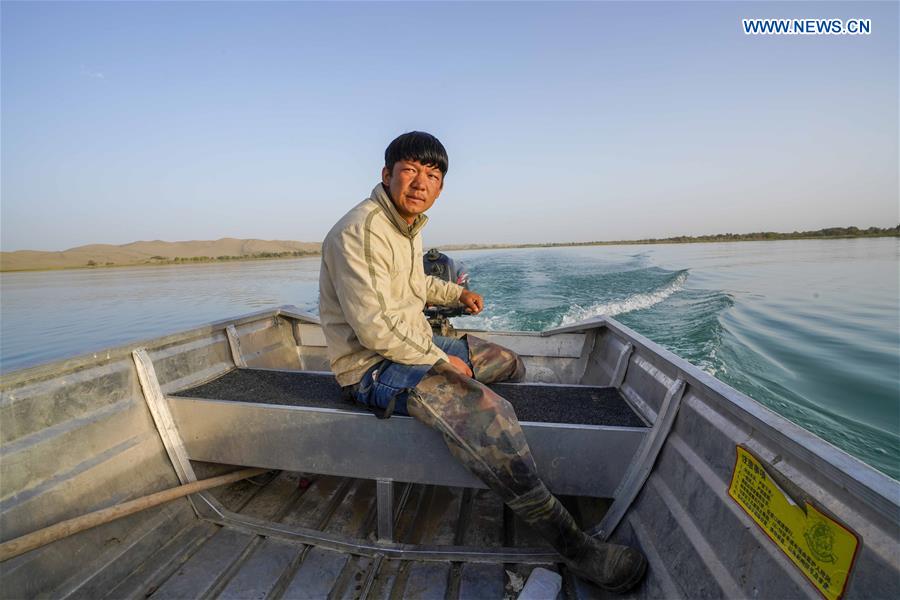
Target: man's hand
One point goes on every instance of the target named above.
(473, 302)
(460, 365)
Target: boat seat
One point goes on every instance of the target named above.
(542, 403)
(583, 438)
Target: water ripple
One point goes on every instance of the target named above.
(634, 302)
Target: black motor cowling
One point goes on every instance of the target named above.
(443, 267)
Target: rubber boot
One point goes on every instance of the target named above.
(492, 363)
(482, 431)
(613, 567)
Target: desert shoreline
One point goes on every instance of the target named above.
(159, 253)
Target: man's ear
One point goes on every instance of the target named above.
(386, 176)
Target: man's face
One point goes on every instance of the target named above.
(414, 187)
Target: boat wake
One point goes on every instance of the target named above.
(634, 302)
(506, 321)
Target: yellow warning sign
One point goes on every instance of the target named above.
(822, 548)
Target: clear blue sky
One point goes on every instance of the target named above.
(588, 121)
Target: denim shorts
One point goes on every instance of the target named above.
(389, 380)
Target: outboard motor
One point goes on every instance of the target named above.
(443, 267)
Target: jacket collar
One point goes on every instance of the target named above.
(380, 196)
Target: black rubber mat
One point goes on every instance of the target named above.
(533, 402)
(569, 404)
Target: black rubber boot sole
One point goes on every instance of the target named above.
(622, 587)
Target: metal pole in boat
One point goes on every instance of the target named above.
(64, 529)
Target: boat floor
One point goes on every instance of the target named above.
(588, 405)
(211, 561)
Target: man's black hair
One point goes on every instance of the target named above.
(419, 146)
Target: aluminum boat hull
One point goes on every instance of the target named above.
(366, 508)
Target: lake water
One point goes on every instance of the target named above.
(810, 328)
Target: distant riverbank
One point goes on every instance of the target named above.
(155, 252)
(761, 236)
(98, 256)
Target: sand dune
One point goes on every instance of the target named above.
(148, 252)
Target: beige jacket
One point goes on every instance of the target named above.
(373, 288)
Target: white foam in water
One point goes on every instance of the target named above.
(485, 322)
(636, 302)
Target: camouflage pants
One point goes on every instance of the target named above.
(482, 431)
(492, 363)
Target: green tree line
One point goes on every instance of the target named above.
(828, 232)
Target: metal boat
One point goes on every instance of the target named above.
(725, 498)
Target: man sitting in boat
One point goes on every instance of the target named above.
(372, 291)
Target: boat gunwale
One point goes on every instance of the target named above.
(100, 356)
(879, 490)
